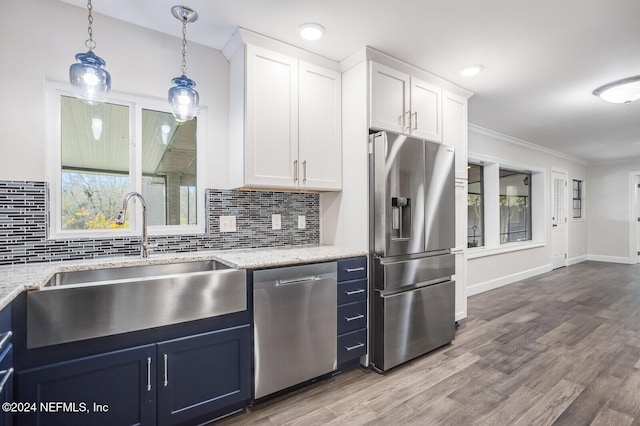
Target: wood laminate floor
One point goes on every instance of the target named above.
(561, 348)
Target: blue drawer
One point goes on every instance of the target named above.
(352, 291)
(352, 316)
(352, 345)
(352, 269)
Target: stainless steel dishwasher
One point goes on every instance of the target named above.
(295, 325)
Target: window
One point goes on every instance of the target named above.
(577, 199)
(97, 162)
(515, 206)
(475, 206)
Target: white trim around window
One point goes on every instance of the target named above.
(136, 103)
(539, 206)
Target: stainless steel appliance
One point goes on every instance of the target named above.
(295, 323)
(412, 203)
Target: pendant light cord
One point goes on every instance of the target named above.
(90, 43)
(184, 45)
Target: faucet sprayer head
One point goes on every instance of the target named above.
(120, 218)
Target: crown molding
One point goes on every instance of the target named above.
(526, 144)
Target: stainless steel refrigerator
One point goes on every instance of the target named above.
(412, 214)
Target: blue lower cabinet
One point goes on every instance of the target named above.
(183, 381)
(352, 316)
(352, 345)
(6, 382)
(352, 312)
(203, 374)
(117, 388)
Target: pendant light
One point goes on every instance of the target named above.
(90, 81)
(183, 98)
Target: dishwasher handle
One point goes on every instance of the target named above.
(299, 280)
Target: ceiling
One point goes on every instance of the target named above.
(542, 59)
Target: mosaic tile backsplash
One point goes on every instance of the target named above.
(24, 225)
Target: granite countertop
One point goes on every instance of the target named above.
(15, 279)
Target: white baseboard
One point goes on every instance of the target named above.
(577, 259)
(610, 259)
(508, 279)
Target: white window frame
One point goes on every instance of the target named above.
(539, 197)
(136, 103)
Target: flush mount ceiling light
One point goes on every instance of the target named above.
(471, 70)
(183, 98)
(89, 80)
(620, 92)
(311, 31)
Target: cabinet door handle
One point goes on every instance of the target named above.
(7, 375)
(355, 269)
(403, 119)
(166, 373)
(357, 317)
(148, 374)
(295, 170)
(351, 293)
(351, 348)
(304, 171)
(415, 122)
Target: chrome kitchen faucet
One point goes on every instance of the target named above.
(144, 244)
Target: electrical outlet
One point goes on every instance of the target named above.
(227, 224)
(302, 221)
(276, 221)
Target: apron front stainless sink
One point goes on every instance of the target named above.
(79, 305)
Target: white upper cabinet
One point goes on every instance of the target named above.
(284, 121)
(319, 108)
(389, 98)
(271, 140)
(425, 120)
(454, 133)
(405, 104)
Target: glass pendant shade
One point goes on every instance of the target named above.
(183, 98)
(89, 80)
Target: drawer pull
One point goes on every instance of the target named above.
(355, 269)
(7, 375)
(166, 372)
(352, 348)
(148, 374)
(351, 293)
(5, 339)
(357, 317)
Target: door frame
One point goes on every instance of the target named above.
(634, 213)
(566, 210)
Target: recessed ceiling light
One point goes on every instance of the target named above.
(311, 31)
(471, 70)
(620, 92)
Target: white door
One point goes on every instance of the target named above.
(320, 134)
(559, 219)
(389, 99)
(426, 106)
(271, 141)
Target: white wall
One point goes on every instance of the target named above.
(39, 44)
(499, 269)
(609, 211)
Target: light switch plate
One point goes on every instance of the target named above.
(276, 221)
(227, 224)
(302, 221)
